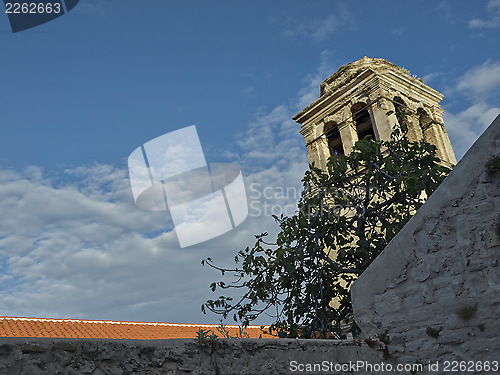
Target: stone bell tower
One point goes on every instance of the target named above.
(354, 102)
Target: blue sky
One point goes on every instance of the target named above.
(80, 93)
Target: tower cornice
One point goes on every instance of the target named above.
(369, 74)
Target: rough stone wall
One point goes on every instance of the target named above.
(435, 289)
(29, 356)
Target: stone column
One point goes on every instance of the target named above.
(312, 154)
(382, 124)
(309, 133)
(348, 135)
(414, 129)
(435, 134)
(323, 151)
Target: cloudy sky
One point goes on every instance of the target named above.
(80, 93)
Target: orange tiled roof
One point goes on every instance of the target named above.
(106, 329)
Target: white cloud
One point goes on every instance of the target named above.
(96, 8)
(310, 90)
(466, 126)
(319, 29)
(272, 150)
(482, 81)
(445, 10)
(274, 159)
(397, 32)
(82, 251)
(248, 92)
(494, 17)
(430, 77)
(480, 86)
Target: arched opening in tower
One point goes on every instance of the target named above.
(399, 105)
(333, 137)
(362, 121)
(424, 120)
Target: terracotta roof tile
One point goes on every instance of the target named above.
(106, 329)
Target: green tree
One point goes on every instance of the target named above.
(346, 216)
